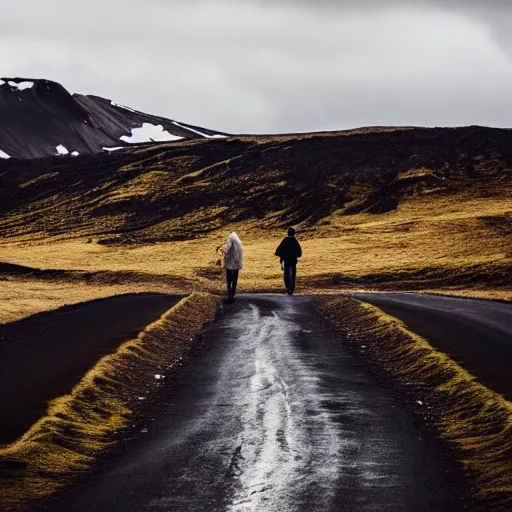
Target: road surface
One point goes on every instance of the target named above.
(475, 333)
(274, 414)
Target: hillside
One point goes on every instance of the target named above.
(385, 208)
(169, 192)
(40, 118)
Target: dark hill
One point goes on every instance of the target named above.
(39, 118)
(179, 190)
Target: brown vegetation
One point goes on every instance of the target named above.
(476, 421)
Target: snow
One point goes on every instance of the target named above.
(114, 148)
(21, 86)
(122, 106)
(61, 150)
(4, 155)
(149, 133)
(2, 82)
(217, 136)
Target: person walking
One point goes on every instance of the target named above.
(289, 251)
(233, 257)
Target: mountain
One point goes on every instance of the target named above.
(40, 118)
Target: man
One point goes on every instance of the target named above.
(289, 251)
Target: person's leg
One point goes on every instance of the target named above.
(287, 277)
(229, 279)
(234, 282)
(293, 278)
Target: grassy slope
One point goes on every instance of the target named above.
(396, 208)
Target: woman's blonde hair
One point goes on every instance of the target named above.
(233, 252)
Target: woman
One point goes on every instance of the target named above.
(233, 256)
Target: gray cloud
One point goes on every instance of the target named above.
(275, 66)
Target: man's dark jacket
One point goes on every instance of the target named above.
(289, 250)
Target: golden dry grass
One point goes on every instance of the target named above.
(376, 208)
(461, 246)
(487, 294)
(80, 426)
(476, 421)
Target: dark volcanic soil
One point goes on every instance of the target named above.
(42, 357)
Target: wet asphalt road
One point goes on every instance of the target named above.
(275, 414)
(475, 333)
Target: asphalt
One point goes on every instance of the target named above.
(475, 333)
(43, 356)
(275, 413)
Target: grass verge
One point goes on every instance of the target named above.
(476, 421)
(78, 427)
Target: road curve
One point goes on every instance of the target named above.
(274, 414)
(475, 333)
(43, 356)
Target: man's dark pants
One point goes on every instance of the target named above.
(290, 274)
(231, 281)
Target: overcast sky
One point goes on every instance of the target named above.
(274, 65)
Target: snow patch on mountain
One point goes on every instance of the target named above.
(3, 154)
(123, 106)
(62, 150)
(197, 132)
(116, 148)
(21, 86)
(75, 153)
(149, 133)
